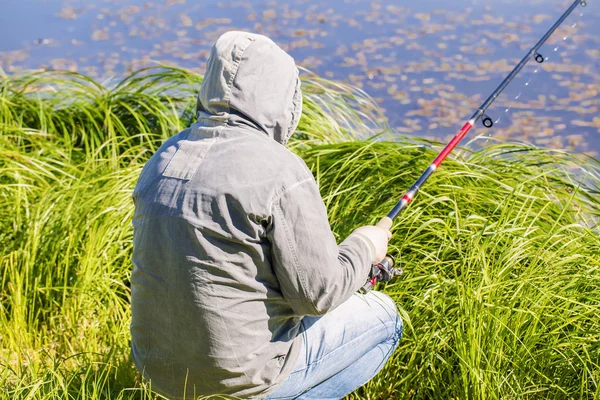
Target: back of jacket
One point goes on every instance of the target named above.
(232, 245)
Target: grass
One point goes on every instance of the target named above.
(500, 294)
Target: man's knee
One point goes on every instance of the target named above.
(390, 309)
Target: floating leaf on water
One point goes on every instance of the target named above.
(575, 140)
(100, 34)
(578, 122)
(292, 14)
(378, 85)
(63, 64)
(269, 15)
(311, 62)
(353, 23)
(67, 13)
(403, 129)
(300, 32)
(212, 21)
(423, 17)
(349, 62)
(594, 53)
(541, 18)
(481, 50)
(361, 59)
(126, 12)
(546, 132)
(296, 44)
(393, 9)
(185, 20)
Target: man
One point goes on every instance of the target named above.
(238, 286)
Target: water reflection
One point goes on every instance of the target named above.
(428, 63)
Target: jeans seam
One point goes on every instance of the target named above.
(337, 348)
(305, 343)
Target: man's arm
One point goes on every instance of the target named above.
(314, 273)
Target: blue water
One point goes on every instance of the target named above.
(428, 63)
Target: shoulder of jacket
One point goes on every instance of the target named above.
(288, 188)
(274, 152)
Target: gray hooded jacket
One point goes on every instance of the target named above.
(232, 245)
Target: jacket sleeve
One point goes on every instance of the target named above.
(314, 273)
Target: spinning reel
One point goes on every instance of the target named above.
(381, 272)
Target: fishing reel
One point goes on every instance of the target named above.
(381, 272)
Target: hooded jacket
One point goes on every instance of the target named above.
(232, 245)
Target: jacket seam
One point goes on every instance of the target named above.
(235, 70)
(286, 190)
(301, 163)
(216, 137)
(296, 265)
(295, 114)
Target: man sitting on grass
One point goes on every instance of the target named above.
(239, 286)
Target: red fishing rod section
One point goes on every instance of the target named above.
(386, 222)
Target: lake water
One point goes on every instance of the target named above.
(429, 63)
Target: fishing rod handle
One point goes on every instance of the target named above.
(385, 223)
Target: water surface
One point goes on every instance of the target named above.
(429, 63)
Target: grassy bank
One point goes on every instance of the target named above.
(501, 290)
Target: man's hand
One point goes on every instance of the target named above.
(377, 238)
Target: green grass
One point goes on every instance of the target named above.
(501, 250)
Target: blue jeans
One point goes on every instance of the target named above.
(344, 349)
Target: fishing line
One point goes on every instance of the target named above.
(540, 59)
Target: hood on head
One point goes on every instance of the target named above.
(250, 81)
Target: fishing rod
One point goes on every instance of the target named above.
(385, 270)
(386, 222)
